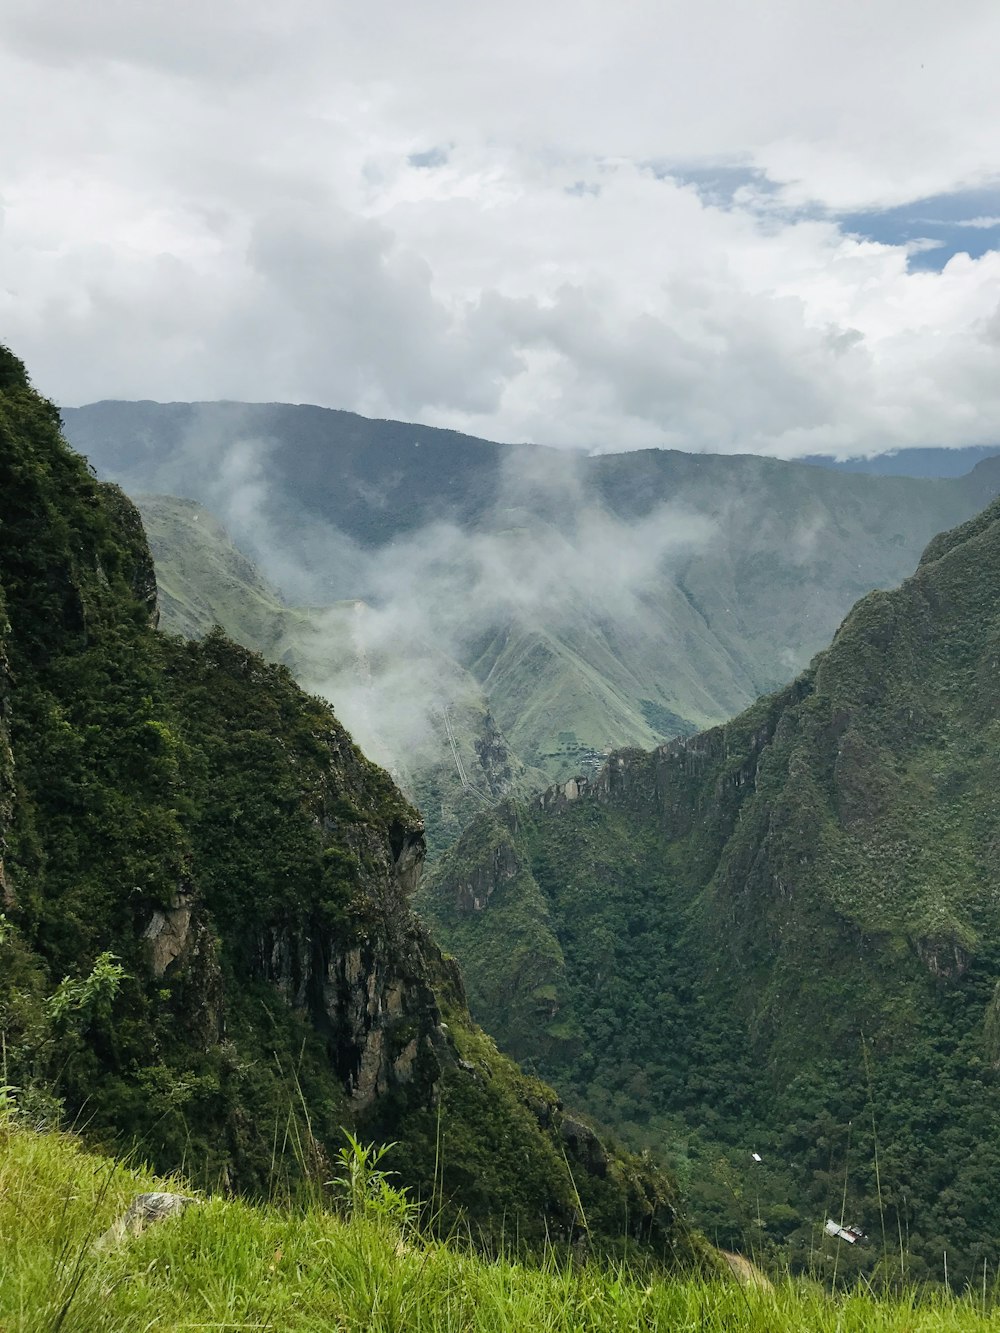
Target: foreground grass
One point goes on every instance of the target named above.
(229, 1265)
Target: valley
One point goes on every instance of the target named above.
(743, 941)
(759, 954)
(544, 607)
(778, 937)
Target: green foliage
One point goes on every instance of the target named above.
(364, 1187)
(82, 1000)
(663, 721)
(781, 937)
(518, 978)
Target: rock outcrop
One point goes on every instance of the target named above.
(143, 1212)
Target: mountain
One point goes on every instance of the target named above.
(451, 759)
(780, 936)
(207, 951)
(592, 602)
(914, 462)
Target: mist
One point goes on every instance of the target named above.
(398, 648)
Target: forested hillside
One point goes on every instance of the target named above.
(206, 946)
(780, 936)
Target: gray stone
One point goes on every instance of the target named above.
(143, 1211)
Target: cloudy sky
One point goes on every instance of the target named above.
(709, 224)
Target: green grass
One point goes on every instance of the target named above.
(231, 1265)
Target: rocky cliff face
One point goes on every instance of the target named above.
(213, 882)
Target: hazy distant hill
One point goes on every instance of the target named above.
(913, 462)
(601, 601)
(452, 764)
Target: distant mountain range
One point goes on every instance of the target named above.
(912, 462)
(540, 605)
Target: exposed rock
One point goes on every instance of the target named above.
(143, 1211)
(943, 956)
(475, 889)
(408, 849)
(493, 754)
(585, 1146)
(402, 1066)
(168, 932)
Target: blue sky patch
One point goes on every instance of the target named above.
(968, 220)
(430, 157)
(717, 185)
(946, 224)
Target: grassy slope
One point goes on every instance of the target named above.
(204, 580)
(304, 1269)
(782, 934)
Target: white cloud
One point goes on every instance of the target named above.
(218, 201)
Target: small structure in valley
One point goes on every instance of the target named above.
(851, 1234)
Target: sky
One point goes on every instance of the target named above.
(768, 227)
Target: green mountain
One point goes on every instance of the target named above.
(447, 752)
(620, 599)
(782, 937)
(206, 944)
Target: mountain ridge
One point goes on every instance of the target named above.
(597, 601)
(782, 927)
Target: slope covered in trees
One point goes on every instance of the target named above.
(206, 946)
(780, 936)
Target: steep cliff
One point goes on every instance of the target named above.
(782, 934)
(206, 946)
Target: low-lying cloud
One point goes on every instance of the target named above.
(391, 655)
